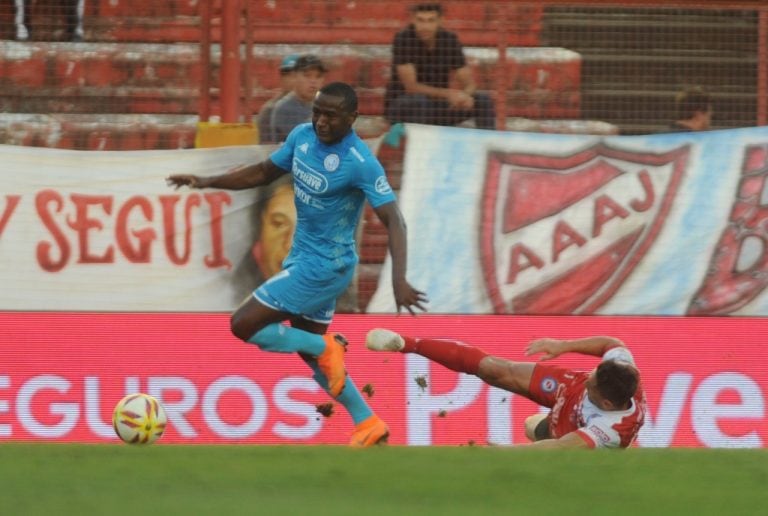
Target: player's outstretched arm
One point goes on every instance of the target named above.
(405, 295)
(569, 440)
(551, 348)
(239, 178)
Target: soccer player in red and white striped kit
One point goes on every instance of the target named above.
(602, 408)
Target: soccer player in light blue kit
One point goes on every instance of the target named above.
(333, 172)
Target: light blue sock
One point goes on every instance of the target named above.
(279, 338)
(350, 398)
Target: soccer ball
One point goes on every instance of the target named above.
(139, 419)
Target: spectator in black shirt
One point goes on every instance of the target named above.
(424, 56)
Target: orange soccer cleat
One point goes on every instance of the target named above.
(370, 432)
(331, 362)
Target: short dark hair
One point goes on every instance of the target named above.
(427, 6)
(342, 89)
(691, 101)
(617, 381)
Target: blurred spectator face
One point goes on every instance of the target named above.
(426, 24)
(278, 222)
(307, 83)
(694, 108)
(706, 119)
(287, 80)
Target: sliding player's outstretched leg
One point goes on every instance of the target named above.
(380, 339)
(454, 355)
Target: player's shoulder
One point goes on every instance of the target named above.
(306, 128)
(611, 429)
(360, 156)
(302, 136)
(358, 148)
(304, 132)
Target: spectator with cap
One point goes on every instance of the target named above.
(287, 77)
(296, 107)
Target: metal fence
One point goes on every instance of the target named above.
(140, 74)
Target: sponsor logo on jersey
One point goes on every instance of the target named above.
(599, 433)
(312, 180)
(554, 415)
(331, 162)
(304, 147)
(600, 210)
(304, 197)
(548, 384)
(382, 185)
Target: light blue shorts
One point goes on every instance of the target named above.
(305, 290)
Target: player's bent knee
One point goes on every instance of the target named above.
(240, 328)
(492, 370)
(245, 322)
(537, 427)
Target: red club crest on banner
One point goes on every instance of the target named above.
(560, 234)
(738, 268)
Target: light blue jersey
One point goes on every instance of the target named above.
(331, 182)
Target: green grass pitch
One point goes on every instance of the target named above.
(59, 479)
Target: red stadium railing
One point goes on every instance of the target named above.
(159, 66)
(498, 29)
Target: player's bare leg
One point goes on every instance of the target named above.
(310, 340)
(259, 324)
(370, 429)
(506, 374)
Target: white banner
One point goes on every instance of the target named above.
(504, 222)
(102, 231)
(498, 222)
